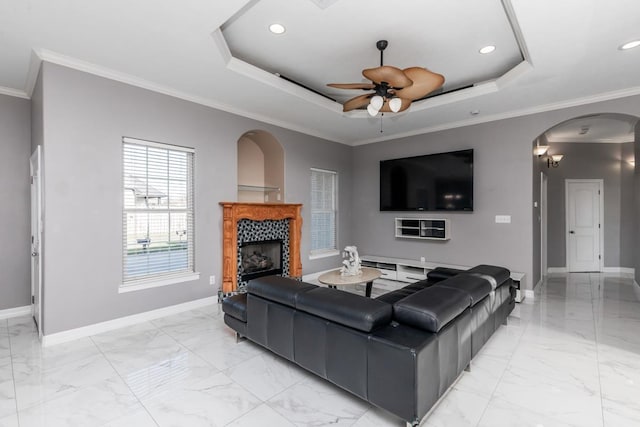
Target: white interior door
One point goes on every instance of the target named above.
(583, 200)
(36, 238)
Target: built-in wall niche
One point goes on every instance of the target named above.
(260, 168)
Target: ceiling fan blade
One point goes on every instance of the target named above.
(405, 104)
(386, 73)
(424, 82)
(352, 85)
(357, 102)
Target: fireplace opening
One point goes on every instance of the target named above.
(263, 258)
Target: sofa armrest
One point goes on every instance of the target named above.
(432, 308)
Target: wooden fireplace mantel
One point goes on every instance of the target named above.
(232, 212)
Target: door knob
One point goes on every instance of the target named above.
(572, 232)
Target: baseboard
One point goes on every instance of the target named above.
(15, 312)
(110, 325)
(621, 270)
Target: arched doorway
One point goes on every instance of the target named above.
(260, 168)
(593, 184)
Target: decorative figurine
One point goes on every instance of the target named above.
(351, 266)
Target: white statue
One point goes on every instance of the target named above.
(351, 266)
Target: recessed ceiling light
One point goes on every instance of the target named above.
(277, 28)
(487, 49)
(630, 45)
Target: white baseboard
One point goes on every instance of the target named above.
(15, 312)
(109, 325)
(621, 270)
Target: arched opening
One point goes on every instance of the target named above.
(260, 168)
(585, 204)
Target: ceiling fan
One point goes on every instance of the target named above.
(393, 89)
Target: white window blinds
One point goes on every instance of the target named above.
(158, 216)
(323, 211)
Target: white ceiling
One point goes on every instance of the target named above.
(570, 47)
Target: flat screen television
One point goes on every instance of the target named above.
(434, 182)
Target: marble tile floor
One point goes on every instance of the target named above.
(569, 358)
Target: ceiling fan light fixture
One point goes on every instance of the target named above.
(487, 49)
(377, 102)
(395, 104)
(630, 45)
(277, 28)
(372, 110)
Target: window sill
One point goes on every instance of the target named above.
(324, 254)
(139, 285)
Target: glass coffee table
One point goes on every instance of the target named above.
(334, 278)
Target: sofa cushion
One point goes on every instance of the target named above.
(494, 274)
(236, 306)
(476, 287)
(279, 289)
(358, 312)
(395, 296)
(431, 308)
(442, 273)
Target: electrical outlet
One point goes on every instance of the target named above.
(212, 280)
(503, 219)
(423, 259)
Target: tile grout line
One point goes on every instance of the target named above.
(225, 371)
(595, 334)
(123, 380)
(13, 375)
(503, 373)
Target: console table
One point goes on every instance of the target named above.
(397, 272)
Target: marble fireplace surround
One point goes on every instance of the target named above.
(232, 212)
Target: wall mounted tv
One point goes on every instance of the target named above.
(434, 182)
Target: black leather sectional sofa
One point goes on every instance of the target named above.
(401, 351)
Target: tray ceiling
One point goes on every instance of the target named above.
(570, 49)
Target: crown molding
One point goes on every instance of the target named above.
(16, 93)
(100, 71)
(40, 55)
(576, 102)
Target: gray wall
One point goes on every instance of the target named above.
(591, 161)
(636, 203)
(15, 228)
(502, 172)
(85, 118)
(627, 216)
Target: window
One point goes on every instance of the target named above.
(158, 217)
(324, 189)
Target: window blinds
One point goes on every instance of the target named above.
(158, 214)
(323, 210)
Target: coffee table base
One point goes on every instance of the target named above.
(367, 291)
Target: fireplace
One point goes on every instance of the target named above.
(261, 258)
(259, 222)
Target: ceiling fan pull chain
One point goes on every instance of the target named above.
(381, 116)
